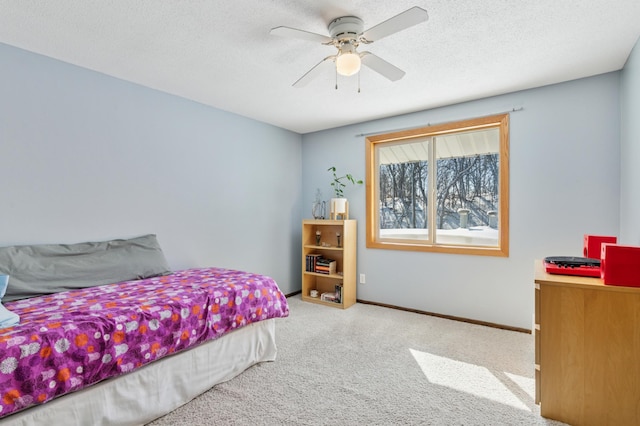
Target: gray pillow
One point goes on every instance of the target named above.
(53, 268)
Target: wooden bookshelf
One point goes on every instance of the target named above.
(344, 255)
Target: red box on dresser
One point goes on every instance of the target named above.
(593, 245)
(620, 265)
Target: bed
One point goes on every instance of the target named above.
(126, 352)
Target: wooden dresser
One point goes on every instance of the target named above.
(587, 343)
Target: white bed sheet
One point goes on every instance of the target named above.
(158, 388)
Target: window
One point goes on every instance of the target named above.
(442, 188)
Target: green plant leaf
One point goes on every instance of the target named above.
(338, 183)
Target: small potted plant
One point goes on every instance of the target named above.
(339, 183)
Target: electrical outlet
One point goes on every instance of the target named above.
(362, 280)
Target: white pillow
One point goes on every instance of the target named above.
(4, 282)
(7, 318)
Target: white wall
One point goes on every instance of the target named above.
(564, 160)
(630, 150)
(89, 157)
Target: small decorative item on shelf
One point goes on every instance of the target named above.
(318, 234)
(328, 297)
(338, 237)
(319, 207)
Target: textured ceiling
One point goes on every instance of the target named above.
(221, 54)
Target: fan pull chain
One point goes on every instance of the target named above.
(336, 78)
(358, 81)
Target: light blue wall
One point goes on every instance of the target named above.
(630, 150)
(565, 182)
(88, 157)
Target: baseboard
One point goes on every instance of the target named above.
(450, 317)
(433, 314)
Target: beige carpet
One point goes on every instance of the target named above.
(377, 366)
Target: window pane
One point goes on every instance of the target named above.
(467, 188)
(403, 178)
(466, 213)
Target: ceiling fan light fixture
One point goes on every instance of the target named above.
(348, 64)
(346, 34)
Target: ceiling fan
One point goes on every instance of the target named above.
(346, 34)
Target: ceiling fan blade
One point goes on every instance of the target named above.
(320, 68)
(300, 34)
(404, 20)
(381, 66)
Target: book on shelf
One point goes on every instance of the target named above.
(338, 293)
(311, 261)
(328, 297)
(335, 296)
(316, 263)
(325, 266)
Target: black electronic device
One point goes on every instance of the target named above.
(570, 265)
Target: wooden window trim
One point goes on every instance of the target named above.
(502, 250)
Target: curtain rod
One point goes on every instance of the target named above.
(515, 109)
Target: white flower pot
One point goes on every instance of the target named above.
(339, 205)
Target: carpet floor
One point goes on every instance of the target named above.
(377, 366)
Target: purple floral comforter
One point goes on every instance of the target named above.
(68, 341)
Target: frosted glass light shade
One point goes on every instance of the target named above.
(348, 64)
